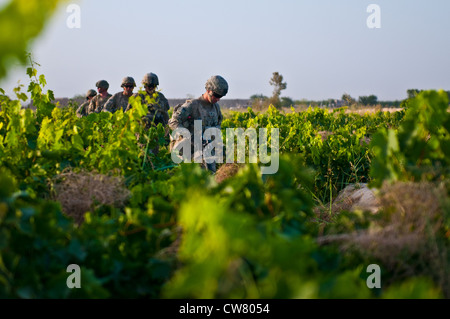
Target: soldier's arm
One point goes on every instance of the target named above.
(80, 110)
(181, 117)
(165, 104)
(165, 107)
(130, 106)
(166, 117)
(98, 107)
(91, 106)
(109, 105)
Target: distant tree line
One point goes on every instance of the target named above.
(260, 101)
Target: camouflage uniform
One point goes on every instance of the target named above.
(83, 108)
(120, 100)
(200, 109)
(97, 103)
(157, 104)
(116, 102)
(157, 113)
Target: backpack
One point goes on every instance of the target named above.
(175, 109)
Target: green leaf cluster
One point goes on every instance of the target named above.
(420, 148)
(181, 234)
(21, 21)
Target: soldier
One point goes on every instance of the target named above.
(204, 108)
(83, 108)
(157, 112)
(99, 100)
(120, 99)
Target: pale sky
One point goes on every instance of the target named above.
(323, 48)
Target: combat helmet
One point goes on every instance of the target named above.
(150, 79)
(217, 84)
(128, 80)
(102, 84)
(90, 93)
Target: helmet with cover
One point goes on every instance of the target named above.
(217, 84)
(128, 80)
(102, 84)
(150, 79)
(90, 93)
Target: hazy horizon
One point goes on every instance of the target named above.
(323, 49)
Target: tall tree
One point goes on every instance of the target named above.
(277, 82)
(348, 99)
